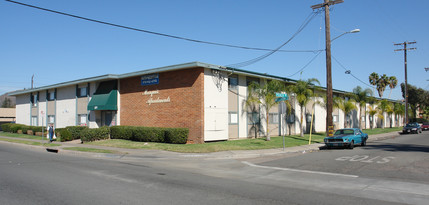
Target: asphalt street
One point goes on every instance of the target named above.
(392, 171)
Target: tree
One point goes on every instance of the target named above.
(399, 110)
(417, 98)
(392, 84)
(380, 82)
(7, 103)
(346, 106)
(371, 111)
(361, 96)
(390, 111)
(265, 96)
(382, 107)
(304, 92)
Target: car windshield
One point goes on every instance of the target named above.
(411, 125)
(344, 132)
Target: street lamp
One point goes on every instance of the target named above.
(352, 31)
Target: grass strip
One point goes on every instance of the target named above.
(30, 142)
(86, 149)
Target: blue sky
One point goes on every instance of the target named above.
(58, 48)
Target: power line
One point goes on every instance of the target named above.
(254, 60)
(157, 33)
(305, 66)
(350, 72)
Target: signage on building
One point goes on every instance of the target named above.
(152, 100)
(281, 95)
(151, 79)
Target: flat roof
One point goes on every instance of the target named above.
(162, 69)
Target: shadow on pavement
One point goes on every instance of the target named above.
(397, 147)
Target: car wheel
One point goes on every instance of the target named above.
(352, 145)
(363, 143)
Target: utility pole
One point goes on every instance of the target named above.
(405, 65)
(329, 97)
(32, 81)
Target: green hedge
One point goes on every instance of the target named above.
(176, 135)
(150, 134)
(65, 135)
(89, 135)
(76, 131)
(6, 127)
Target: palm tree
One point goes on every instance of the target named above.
(346, 106)
(392, 83)
(304, 92)
(382, 107)
(399, 110)
(373, 78)
(265, 96)
(382, 83)
(372, 111)
(390, 111)
(362, 97)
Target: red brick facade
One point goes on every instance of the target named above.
(185, 90)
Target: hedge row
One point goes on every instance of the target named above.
(12, 127)
(140, 134)
(150, 134)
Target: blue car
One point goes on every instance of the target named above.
(348, 137)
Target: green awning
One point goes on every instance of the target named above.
(105, 98)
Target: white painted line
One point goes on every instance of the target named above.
(298, 170)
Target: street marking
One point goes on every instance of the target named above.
(366, 159)
(299, 170)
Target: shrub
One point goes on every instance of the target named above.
(24, 129)
(121, 132)
(15, 127)
(58, 131)
(148, 134)
(176, 135)
(76, 131)
(6, 127)
(66, 135)
(37, 128)
(89, 135)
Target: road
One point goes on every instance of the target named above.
(393, 171)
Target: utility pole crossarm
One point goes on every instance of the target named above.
(318, 6)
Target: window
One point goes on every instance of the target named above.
(51, 96)
(335, 118)
(252, 118)
(51, 119)
(249, 81)
(273, 118)
(233, 82)
(34, 100)
(82, 119)
(34, 120)
(82, 92)
(233, 118)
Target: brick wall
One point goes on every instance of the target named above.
(185, 88)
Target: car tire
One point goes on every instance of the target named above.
(352, 145)
(363, 143)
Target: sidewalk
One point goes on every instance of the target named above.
(145, 153)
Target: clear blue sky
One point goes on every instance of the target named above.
(58, 48)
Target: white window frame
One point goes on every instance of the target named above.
(80, 118)
(273, 118)
(233, 118)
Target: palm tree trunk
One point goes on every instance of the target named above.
(302, 128)
(360, 116)
(268, 133)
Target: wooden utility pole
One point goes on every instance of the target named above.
(329, 97)
(405, 65)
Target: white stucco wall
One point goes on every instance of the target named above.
(215, 106)
(242, 115)
(66, 106)
(42, 109)
(23, 109)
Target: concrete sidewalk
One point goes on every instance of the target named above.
(145, 153)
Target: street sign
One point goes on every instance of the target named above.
(281, 99)
(281, 95)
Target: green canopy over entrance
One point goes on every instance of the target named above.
(105, 98)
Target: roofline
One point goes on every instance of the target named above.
(165, 69)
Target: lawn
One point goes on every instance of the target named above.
(243, 144)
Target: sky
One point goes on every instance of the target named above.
(57, 48)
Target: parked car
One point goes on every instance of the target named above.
(412, 128)
(347, 137)
(425, 126)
